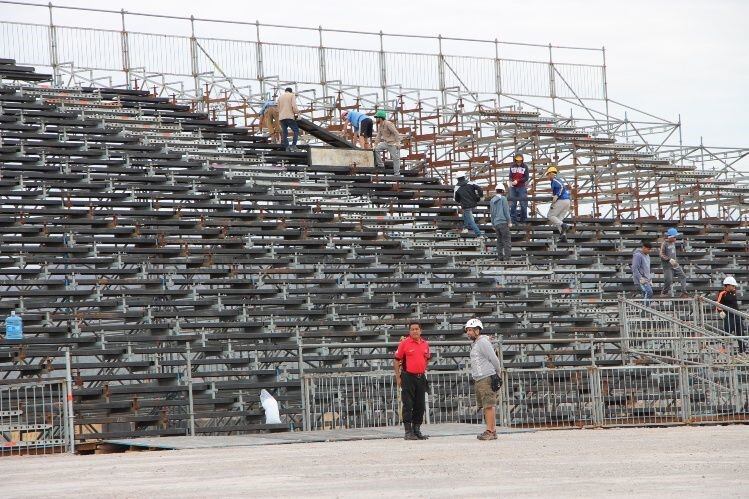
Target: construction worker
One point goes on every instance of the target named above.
(288, 113)
(387, 139)
(485, 369)
(468, 195)
(519, 175)
(671, 267)
(501, 221)
(560, 202)
(362, 126)
(732, 323)
(641, 271)
(269, 120)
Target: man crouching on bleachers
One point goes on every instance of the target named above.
(641, 271)
(485, 369)
(410, 367)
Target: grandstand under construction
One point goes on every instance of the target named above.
(169, 262)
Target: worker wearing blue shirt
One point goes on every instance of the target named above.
(362, 126)
(560, 202)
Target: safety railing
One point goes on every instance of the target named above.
(716, 333)
(362, 400)
(35, 418)
(723, 320)
(651, 328)
(241, 52)
(542, 398)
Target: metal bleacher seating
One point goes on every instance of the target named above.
(133, 228)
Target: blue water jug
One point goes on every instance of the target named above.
(13, 327)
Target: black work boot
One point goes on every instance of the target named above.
(417, 432)
(410, 435)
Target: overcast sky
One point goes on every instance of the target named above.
(665, 57)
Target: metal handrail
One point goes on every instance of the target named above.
(678, 321)
(723, 307)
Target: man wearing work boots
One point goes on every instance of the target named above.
(388, 139)
(485, 371)
(410, 366)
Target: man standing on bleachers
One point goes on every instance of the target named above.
(671, 267)
(468, 195)
(732, 322)
(410, 367)
(501, 221)
(641, 271)
(388, 139)
(485, 369)
(288, 113)
(519, 175)
(560, 202)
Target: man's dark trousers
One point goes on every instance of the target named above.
(413, 392)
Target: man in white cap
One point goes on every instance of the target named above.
(671, 266)
(485, 369)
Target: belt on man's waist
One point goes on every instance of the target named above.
(417, 375)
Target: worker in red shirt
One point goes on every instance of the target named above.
(410, 373)
(519, 175)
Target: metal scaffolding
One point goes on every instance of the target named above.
(464, 105)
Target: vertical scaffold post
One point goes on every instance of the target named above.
(606, 94)
(503, 418)
(303, 384)
(125, 50)
(552, 85)
(259, 57)
(323, 68)
(624, 329)
(191, 404)
(497, 74)
(194, 64)
(69, 402)
(53, 55)
(383, 70)
(441, 70)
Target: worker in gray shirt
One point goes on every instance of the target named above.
(671, 267)
(641, 271)
(501, 221)
(485, 369)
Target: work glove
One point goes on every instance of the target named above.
(643, 280)
(722, 314)
(673, 262)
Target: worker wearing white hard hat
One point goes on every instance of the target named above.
(485, 370)
(727, 308)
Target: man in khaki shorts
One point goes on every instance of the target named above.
(485, 370)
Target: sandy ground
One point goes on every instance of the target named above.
(658, 462)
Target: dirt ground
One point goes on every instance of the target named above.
(657, 462)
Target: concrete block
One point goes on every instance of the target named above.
(329, 156)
